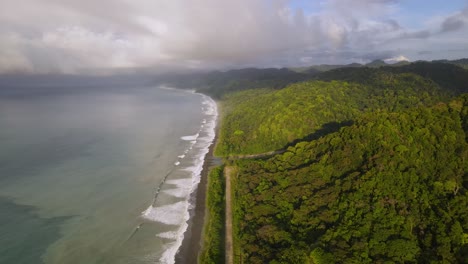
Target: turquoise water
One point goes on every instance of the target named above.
(98, 175)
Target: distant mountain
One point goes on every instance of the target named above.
(324, 67)
(376, 64)
(448, 76)
(400, 63)
(461, 62)
(329, 67)
(218, 83)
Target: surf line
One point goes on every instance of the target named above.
(134, 232)
(158, 190)
(155, 197)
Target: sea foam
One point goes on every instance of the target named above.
(178, 192)
(171, 214)
(190, 138)
(178, 213)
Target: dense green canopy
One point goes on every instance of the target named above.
(391, 187)
(265, 120)
(373, 167)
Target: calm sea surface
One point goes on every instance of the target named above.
(98, 175)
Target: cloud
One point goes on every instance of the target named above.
(455, 22)
(424, 52)
(421, 34)
(396, 59)
(144, 33)
(452, 24)
(12, 59)
(73, 36)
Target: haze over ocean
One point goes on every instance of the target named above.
(80, 168)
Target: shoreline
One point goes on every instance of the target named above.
(193, 236)
(192, 242)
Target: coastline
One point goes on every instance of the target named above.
(192, 242)
(193, 236)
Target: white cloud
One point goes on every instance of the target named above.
(72, 35)
(12, 59)
(396, 59)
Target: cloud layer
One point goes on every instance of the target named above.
(72, 36)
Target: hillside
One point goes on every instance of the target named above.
(264, 120)
(217, 84)
(460, 62)
(324, 67)
(448, 74)
(390, 188)
(373, 167)
(450, 77)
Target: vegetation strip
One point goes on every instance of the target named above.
(213, 246)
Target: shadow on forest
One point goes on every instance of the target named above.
(326, 129)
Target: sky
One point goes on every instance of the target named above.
(83, 36)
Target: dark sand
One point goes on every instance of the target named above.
(193, 237)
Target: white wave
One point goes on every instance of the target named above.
(178, 213)
(191, 137)
(180, 182)
(193, 169)
(168, 256)
(207, 139)
(171, 214)
(168, 235)
(182, 192)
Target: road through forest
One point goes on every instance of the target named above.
(228, 170)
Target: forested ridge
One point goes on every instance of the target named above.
(392, 188)
(264, 120)
(373, 167)
(219, 83)
(450, 77)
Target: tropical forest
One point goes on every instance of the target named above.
(361, 164)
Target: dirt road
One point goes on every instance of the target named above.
(229, 246)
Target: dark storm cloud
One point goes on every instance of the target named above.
(453, 23)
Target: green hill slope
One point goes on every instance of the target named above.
(374, 167)
(258, 121)
(390, 188)
(448, 76)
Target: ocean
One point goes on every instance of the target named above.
(99, 174)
